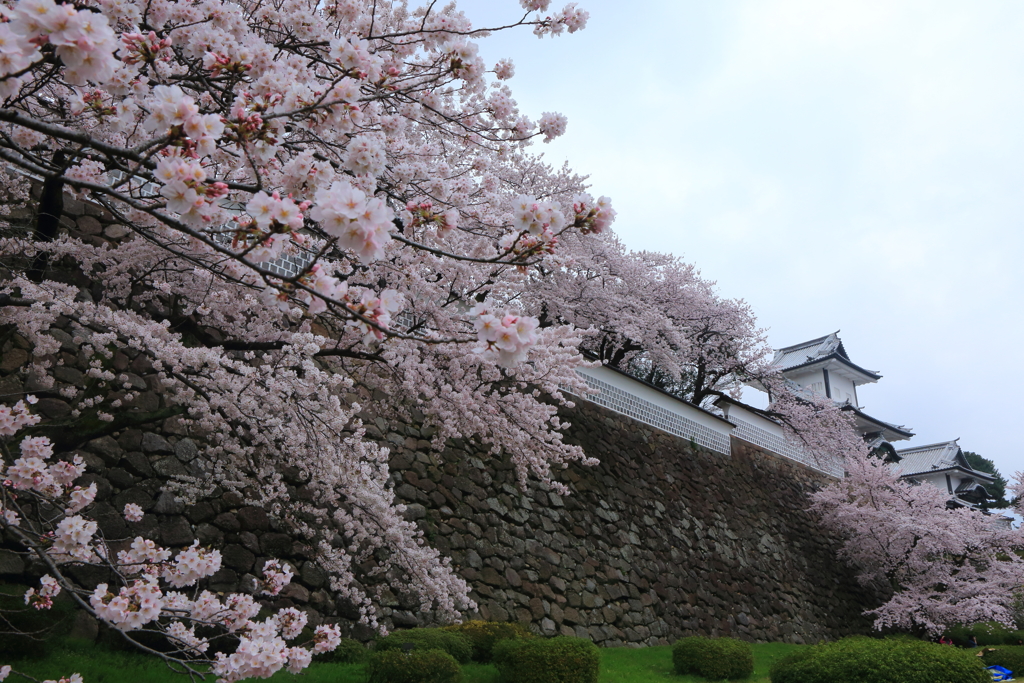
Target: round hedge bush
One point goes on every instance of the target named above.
(987, 633)
(547, 660)
(483, 635)
(455, 644)
(1010, 657)
(867, 660)
(713, 658)
(418, 666)
(348, 652)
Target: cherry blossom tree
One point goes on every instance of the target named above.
(653, 316)
(940, 566)
(40, 507)
(365, 143)
(325, 204)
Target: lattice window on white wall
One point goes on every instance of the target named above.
(781, 446)
(639, 409)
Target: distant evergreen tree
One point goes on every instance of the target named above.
(997, 489)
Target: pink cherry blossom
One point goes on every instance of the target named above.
(275, 577)
(43, 598)
(552, 125)
(317, 223)
(941, 566)
(13, 418)
(133, 513)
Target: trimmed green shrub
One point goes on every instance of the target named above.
(546, 660)
(483, 635)
(988, 633)
(1011, 657)
(713, 658)
(992, 633)
(348, 652)
(419, 666)
(455, 644)
(685, 652)
(867, 660)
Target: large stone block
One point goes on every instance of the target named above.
(237, 557)
(168, 504)
(253, 518)
(176, 531)
(138, 464)
(276, 544)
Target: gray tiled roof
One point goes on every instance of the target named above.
(968, 485)
(822, 349)
(936, 456)
(798, 354)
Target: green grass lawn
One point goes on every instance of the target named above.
(618, 665)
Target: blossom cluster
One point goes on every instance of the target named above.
(354, 54)
(552, 125)
(191, 565)
(145, 48)
(374, 311)
(248, 126)
(72, 539)
(133, 607)
(83, 39)
(43, 598)
(365, 156)
(33, 472)
(570, 18)
(186, 191)
(591, 216)
(537, 217)
(133, 513)
(360, 223)
(275, 577)
(143, 601)
(272, 223)
(536, 224)
(465, 62)
(506, 338)
(172, 111)
(504, 69)
(424, 213)
(13, 418)
(262, 652)
(377, 310)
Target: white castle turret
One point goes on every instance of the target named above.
(823, 367)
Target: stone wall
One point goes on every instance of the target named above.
(660, 540)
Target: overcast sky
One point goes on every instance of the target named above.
(852, 166)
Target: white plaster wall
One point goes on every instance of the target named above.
(642, 391)
(938, 480)
(814, 380)
(740, 413)
(842, 388)
(763, 432)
